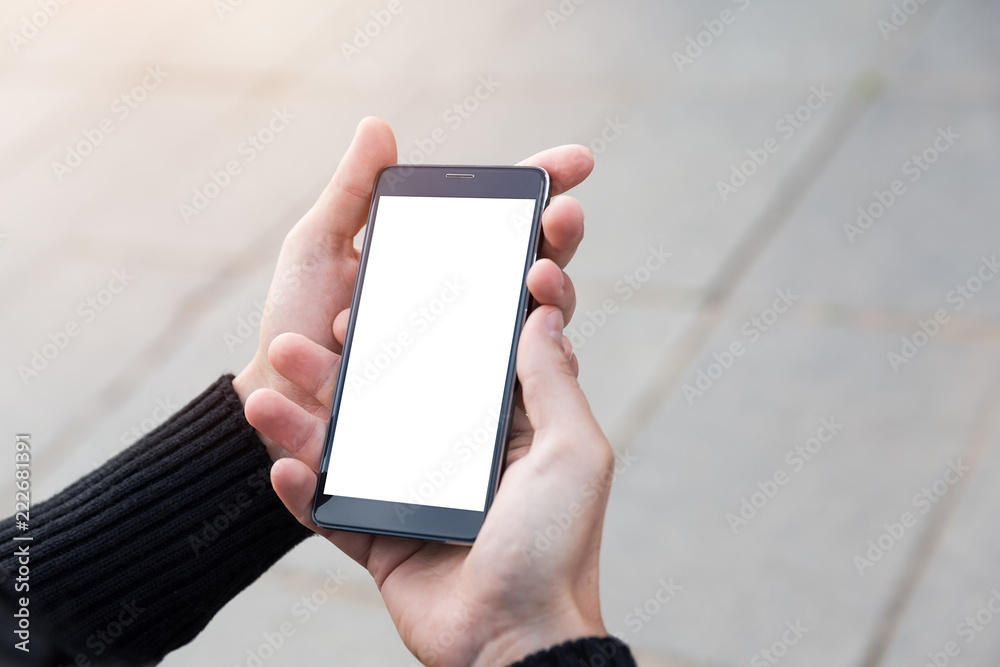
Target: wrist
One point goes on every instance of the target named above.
(533, 635)
(249, 380)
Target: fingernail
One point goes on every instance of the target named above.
(554, 325)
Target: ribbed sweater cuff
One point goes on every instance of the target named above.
(152, 544)
(606, 651)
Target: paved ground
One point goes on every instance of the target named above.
(731, 493)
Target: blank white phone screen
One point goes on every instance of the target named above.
(424, 383)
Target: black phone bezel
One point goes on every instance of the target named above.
(430, 522)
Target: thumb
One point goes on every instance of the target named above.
(342, 209)
(552, 396)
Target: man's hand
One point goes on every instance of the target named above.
(311, 291)
(530, 581)
(511, 594)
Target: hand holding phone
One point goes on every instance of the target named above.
(529, 581)
(293, 402)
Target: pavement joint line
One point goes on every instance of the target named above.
(354, 591)
(866, 89)
(827, 314)
(878, 320)
(670, 297)
(981, 436)
(159, 352)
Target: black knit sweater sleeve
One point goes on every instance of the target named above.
(134, 559)
(592, 651)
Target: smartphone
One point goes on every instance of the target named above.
(425, 392)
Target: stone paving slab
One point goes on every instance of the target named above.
(613, 373)
(899, 261)
(794, 558)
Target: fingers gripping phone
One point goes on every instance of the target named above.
(424, 396)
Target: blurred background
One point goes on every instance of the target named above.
(815, 359)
